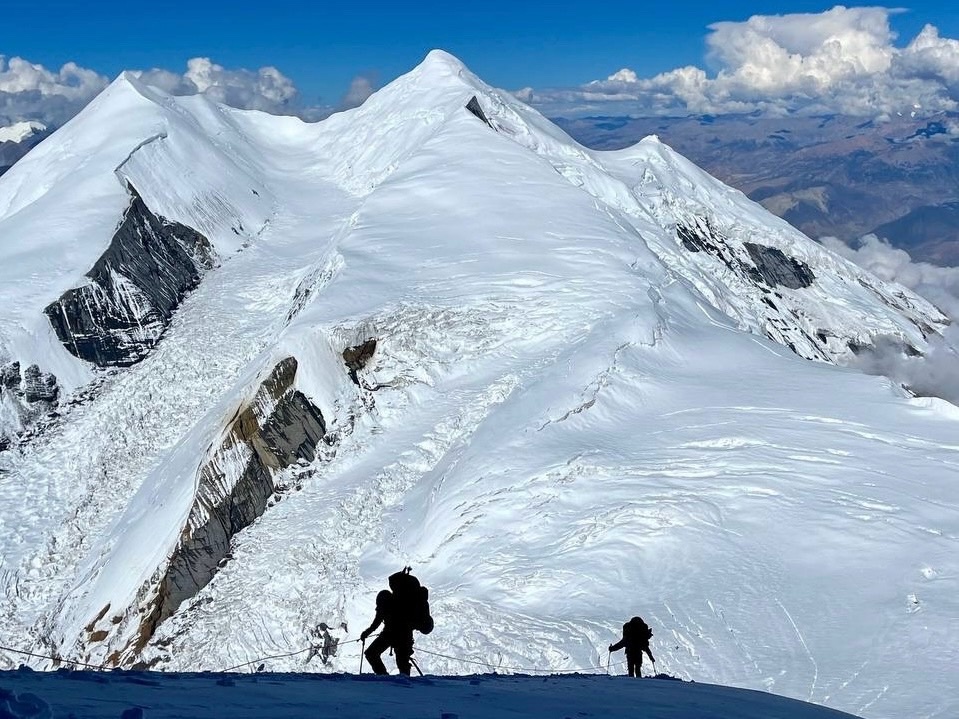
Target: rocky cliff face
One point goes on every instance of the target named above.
(779, 285)
(25, 397)
(276, 429)
(133, 289)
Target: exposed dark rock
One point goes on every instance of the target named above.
(357, 357)
(294, 430)
(278, 428)
(701, 236)
(693, 240)
(777, 269)
(39, 386)
(10, 375)
(474, 107)
(768, 268)
(135, 286)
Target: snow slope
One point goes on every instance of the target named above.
(587, 400)
(44, 696)
(60, 204)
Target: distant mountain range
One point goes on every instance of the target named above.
(17, 139)
(831, 175)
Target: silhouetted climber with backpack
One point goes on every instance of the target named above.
(636, 636)
(401, 610)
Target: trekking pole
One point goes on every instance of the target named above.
(413, 662)
(609, 655)
(362, 654)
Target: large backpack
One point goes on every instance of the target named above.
(636, 631)
(412, 601)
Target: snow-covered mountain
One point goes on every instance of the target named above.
(252, 365)
(17, 139)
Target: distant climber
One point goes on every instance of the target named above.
(636, 636)
(322, 643)
(400, 611)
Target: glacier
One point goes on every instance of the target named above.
(596, 384)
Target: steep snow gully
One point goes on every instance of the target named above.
(249, 366)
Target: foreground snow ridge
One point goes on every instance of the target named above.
(251, 366)
(28, 695)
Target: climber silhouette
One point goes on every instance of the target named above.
(636, 636)
(400, 611)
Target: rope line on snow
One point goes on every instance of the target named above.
(272, 656)
(283, 656)
(51, 658)
(475, 662)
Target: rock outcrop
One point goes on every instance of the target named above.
(10, 375)
(25, 400)
(119, 315)
(773, 267)
(357, 357)
(278, 428)
(474, 107)
(39, 386)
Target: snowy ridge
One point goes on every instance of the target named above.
(477, 697)
(569, 415)
(64, 232)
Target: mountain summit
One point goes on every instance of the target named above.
(251, 366)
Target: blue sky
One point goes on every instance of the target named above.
(322, 46)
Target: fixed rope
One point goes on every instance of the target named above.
(258, 660)
(51, 658)
(283, 656)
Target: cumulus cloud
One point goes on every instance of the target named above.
(936, 373)
(939, 285)
(360, 88)
(842, 60)
(265, 89)
(32, 92)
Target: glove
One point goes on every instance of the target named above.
(365, 635)
(610, 647)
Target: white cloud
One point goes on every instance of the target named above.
(842, 60)
(936, 373)
(624, 75)
(932, 58)
(940, 285)
(32, 92)
(265, 89)
(360, 88)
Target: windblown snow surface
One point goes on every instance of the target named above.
(571, 415)
(136, 695)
